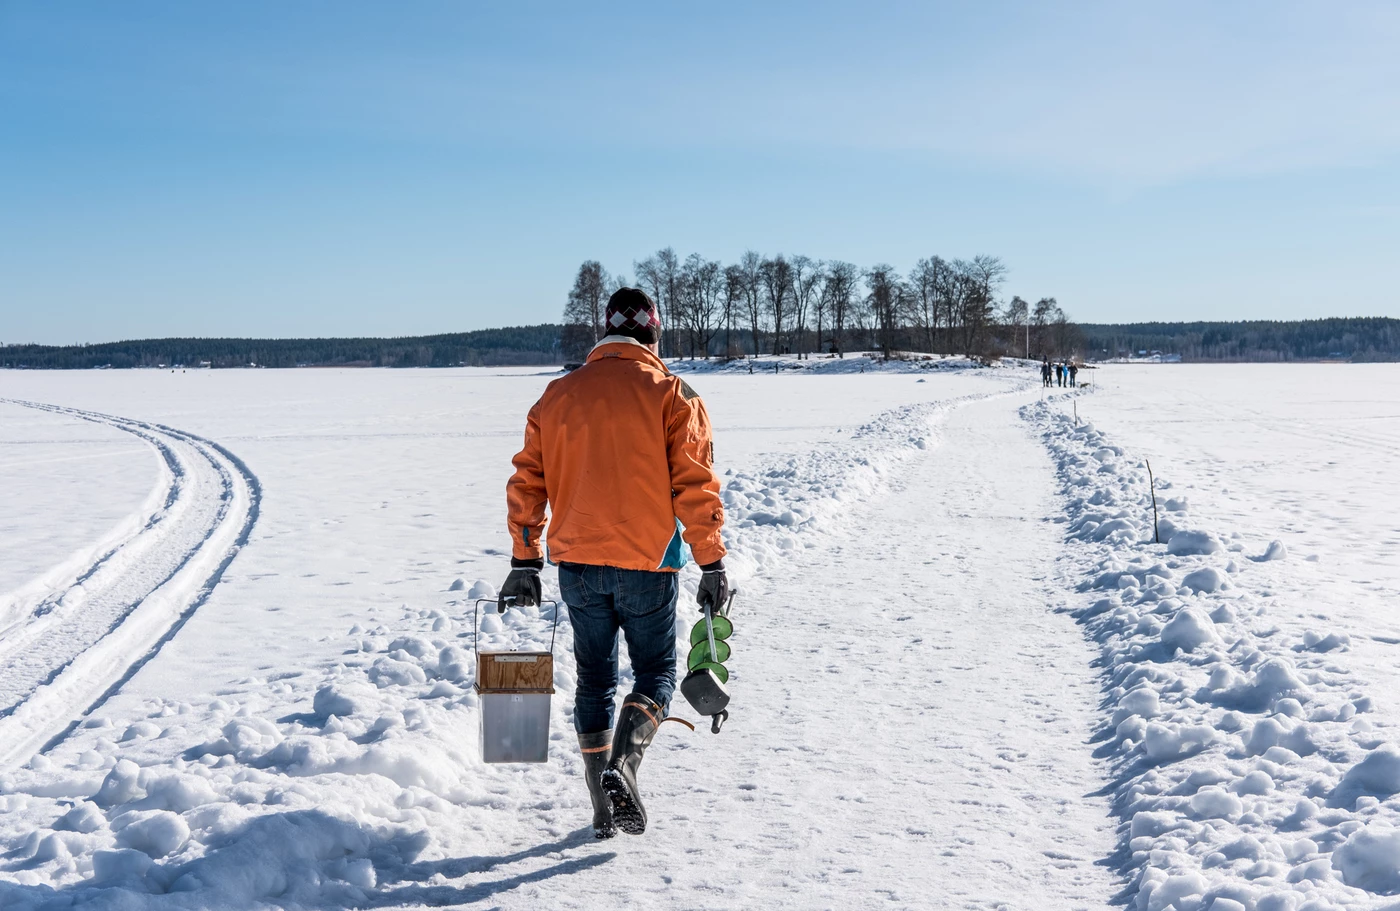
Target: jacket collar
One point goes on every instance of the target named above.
(622, 346)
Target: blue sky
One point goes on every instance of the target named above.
(338, 168)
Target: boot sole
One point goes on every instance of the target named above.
(627, 812)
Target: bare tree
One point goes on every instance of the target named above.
(806, 280)
(751, 265)
(903, 309)
(682, 318)
(1046, 313)
(840, 289)
(884, 301)
(981, 277)
(734, 292)
(584, 310)
(1016, 319)
(649, 279)
(701, 287)
(928, 282)
(777, 284)
(659, 275)
(862, 320)
(821, 306)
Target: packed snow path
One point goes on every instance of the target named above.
(74, 635)
(912, 682)
(911, 720)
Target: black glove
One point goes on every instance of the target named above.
(714, 588)
(522, 586)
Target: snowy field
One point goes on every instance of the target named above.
(235, 634)
(1308, 455)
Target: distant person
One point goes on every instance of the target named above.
(1045, 372)
(1059, 374)
(622, 453)
(1073, 374)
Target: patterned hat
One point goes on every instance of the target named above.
(633, 314)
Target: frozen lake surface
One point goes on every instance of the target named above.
(964, 676)
(1306, 454)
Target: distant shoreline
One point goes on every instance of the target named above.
(1335, 340)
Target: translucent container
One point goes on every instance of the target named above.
(515, 727)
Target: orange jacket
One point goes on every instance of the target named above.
(622, 452)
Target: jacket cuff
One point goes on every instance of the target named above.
(536, 564)
(715, 567)
(708, 553)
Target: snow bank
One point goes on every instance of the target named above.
(1244, 770)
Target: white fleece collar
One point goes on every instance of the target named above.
(618, 340)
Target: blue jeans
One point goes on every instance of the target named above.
(602, 600)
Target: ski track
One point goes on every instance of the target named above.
(70, 640)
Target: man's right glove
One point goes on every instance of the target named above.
(522, 586)
(714, 587)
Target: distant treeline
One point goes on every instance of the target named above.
(1360, 339)
(483, 348)
(1350, 339)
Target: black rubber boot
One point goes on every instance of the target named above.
(596, 749)
(636, 726)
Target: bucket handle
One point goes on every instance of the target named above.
(476, 633)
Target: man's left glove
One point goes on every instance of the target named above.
(714, 587)
(522, 586)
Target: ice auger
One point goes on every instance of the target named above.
(703, 687)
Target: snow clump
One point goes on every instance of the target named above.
(1194, 542)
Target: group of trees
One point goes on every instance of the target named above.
(798, 305)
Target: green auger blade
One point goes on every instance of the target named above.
(720, 670)
(700, 654)
(723, 630)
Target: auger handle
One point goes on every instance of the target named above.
(718, 719)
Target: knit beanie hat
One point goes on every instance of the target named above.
(633, 314)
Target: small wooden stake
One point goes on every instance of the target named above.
(1156, 536)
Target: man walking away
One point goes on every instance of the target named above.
(1073, 374)
(621, 451)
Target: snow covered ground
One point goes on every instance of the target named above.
(919, 720)
(1252, 742)
(67, 484)
(1305, 454)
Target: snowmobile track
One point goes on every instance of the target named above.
(71, 640)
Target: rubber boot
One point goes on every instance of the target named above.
(595, 749)
(636, 726)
